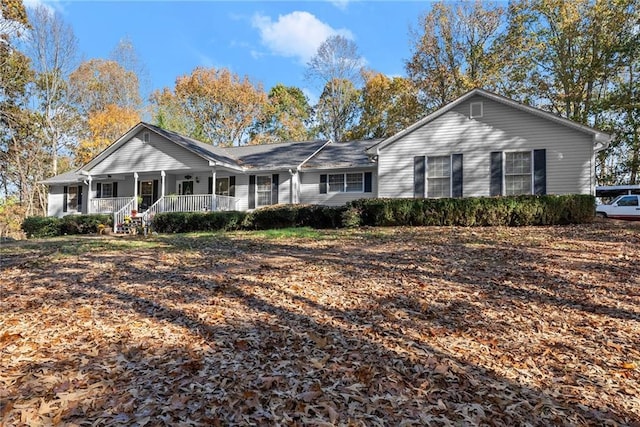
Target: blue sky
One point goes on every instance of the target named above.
(269, 41)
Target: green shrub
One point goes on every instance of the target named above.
(41, 226)
(276, 216)
(186, 222)
(475, 211)
(318, 216)
(84, 224)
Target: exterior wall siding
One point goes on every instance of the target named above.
(501, 128)
(310, 188)
(158, 154)
(55, 201)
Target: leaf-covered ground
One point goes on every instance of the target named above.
(395, 326)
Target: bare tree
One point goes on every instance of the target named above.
(336, 68)
(52, 47)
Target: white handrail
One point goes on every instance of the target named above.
(118, 217)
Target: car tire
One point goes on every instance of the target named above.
(601, 215)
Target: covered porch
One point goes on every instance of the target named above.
(140, 196)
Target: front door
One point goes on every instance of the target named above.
(185, 188)
(146, 192)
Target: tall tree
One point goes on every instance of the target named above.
(52, 48)
(455, 50)
(336, 67)
(338, 109)
(97, 83)
(105, 126)
(21, 150)
(108, 97)
(619, 110)
(389, 104)
(221, 107)
(286, 116)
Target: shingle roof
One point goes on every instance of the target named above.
(281, 155)
(342, 155)
(284, 155)
(63, 178)
(317, 154)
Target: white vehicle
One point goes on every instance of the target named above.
(622, 207)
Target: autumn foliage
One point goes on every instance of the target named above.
(382, 326)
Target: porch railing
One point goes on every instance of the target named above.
(118, 217)
(190, 203)
(109, 205)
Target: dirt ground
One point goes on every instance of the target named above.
(381, 326)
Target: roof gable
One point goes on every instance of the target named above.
(600, 138)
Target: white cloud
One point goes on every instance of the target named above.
(51, 6)
(297, 34)
(340, 4)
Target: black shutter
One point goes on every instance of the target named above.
(99, 190)
(210, 185)
(456, 175)
(367, 182)
(232, 186)
(275, 181)
(419, 163)
(115, 189)
(155, 191)
(65, 195)
(539, 172)
(496, 174)
(80, 198)
(252, 191)
(323, 184)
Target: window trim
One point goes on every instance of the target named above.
(471, 105)
(257, 199)
(426, 177)
(504, 172)
(344, 182)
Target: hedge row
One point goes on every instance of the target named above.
(279, 216)
(476, 211)
(40, 226)
(480, 211)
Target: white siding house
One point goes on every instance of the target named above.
(485, 145)
(481, 144)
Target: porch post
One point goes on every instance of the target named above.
(162, 176)
(89, 179)
(213, 189)
(135, 191)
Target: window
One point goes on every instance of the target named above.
(336, 183)
(263, 190)
(346, 183)
(106, 190)
(72, 199)
(439, 176)
(145, 137)
(476, 110)
(518, 173)
(222, 186)
(628, 201)
(354, 182)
